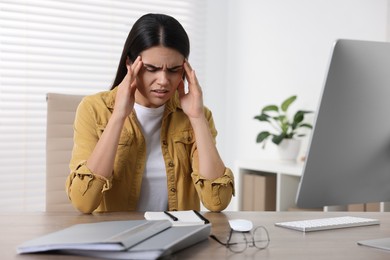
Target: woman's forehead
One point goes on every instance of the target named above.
(160, 56)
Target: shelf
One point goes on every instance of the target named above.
(277, 186)
(286, 176)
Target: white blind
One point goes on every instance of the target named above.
(65, 47)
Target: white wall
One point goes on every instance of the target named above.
(273, 49)
(215, 83)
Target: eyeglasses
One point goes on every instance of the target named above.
(237, 241)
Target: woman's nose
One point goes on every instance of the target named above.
(162, 77)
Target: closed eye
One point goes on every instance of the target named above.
(175, 69)
(150, 68)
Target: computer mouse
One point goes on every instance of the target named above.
(242, 225)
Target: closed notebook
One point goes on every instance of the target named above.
(102, 236)
(162, 244)
(184, 217)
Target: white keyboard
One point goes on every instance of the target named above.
(327, 223)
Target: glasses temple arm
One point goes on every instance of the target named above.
(219, 241)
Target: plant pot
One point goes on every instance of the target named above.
(288, 149)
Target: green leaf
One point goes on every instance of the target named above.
(306, 111)
(298, 117)
(262, 117)
(286, 127)
(270, 108)
(287, 103)
(290, 135)
(262, 136)
(306, 125)
(277, 139)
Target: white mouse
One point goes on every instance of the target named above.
(242, 225)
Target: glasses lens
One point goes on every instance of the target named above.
(261, 237)
(237, 242)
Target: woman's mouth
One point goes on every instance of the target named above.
(160, 92)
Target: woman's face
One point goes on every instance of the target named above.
(159, 77)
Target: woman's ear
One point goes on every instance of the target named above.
(128, 61)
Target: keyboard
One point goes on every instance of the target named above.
(327, 223)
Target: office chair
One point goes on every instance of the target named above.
(61, 109)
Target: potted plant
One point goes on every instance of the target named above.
(286, 129)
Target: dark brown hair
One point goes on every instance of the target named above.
(148, 31)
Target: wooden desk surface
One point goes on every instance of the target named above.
(285, 244)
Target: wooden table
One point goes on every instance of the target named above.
(285, 244)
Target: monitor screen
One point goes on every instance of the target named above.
(348, 160)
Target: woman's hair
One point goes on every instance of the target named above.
(148, 31)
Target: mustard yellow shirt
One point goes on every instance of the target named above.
(186, 186)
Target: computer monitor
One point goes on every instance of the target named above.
(348, 160)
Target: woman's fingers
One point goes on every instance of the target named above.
(193, 83)
(188, 71)
(124, 100)
(136, 66)
(180, 89)
(133, 68)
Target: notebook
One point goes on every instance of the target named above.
(183, 217)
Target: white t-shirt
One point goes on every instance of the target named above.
(154, 191)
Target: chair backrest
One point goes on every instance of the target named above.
(61, 110)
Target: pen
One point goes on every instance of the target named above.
(206, 221)
(170, 215)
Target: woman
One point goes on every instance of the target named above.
(147, 144)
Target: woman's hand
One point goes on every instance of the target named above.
(124, 100)
(191, 102)
(210, 164)
(101, 161)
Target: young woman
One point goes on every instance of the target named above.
(147, 144)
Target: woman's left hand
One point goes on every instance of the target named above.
(192, 101)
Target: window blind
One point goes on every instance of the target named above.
(69, 47)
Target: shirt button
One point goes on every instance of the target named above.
(165, 142)
(171, 164)
(173, 190)
(189, 138)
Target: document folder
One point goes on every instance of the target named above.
(108, 235)
(163, 244)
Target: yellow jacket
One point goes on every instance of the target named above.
(186, 186)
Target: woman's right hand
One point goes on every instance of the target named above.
(124, 100)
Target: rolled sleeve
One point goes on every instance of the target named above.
(215, 194)
(85, 189)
